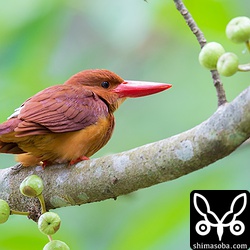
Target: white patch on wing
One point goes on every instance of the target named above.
(16, 113)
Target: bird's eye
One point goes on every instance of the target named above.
(105, 84)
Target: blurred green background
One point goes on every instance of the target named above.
(44, 42)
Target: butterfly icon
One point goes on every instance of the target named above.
(203, 227)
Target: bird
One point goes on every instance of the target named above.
(69, 122)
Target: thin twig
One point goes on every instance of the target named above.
(190, 22)
(221, 95)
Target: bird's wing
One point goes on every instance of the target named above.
(61, 108)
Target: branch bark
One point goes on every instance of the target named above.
(118, 174)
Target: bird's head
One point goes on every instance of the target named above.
(112, 88)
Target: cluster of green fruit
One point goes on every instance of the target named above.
(213, 55)
(48, 222)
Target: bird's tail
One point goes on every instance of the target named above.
(9, 126)
(6, 133)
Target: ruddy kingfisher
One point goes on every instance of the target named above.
(68, 123)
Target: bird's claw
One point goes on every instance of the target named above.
(82, 158)
(45, 164)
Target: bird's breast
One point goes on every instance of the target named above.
(87, 141)
(64, 147)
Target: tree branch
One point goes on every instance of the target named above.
(221, 95)
(190, 22)
(118, 174)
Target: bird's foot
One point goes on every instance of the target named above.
(81, 158)
(45, 164)
(17, 167)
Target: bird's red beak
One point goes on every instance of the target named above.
(139, 88)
